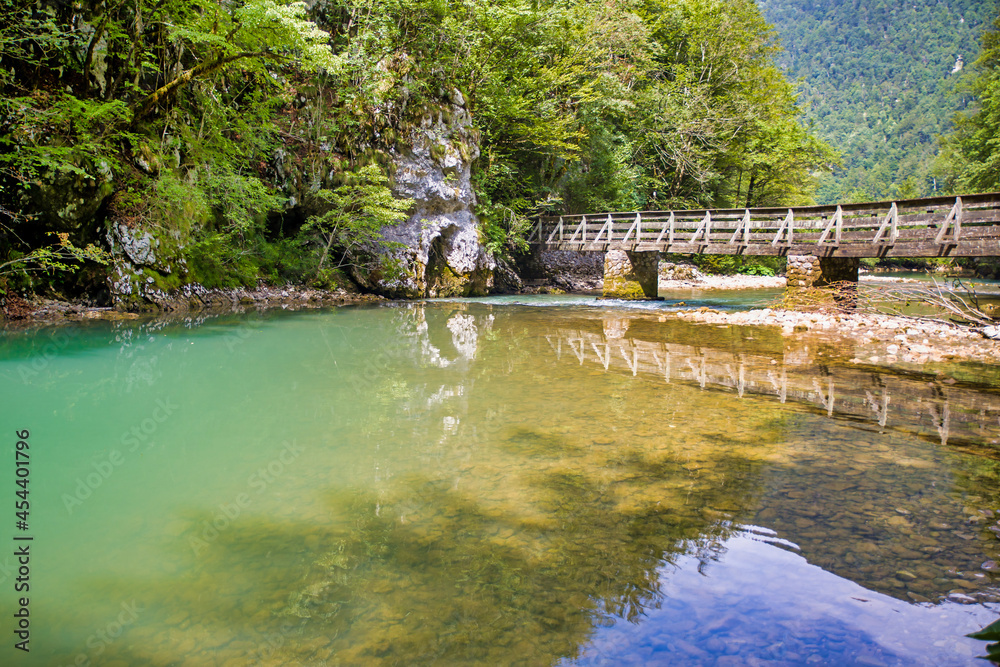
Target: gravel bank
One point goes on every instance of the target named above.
(712, 282)
(875, 338)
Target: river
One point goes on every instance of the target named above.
(532, 480)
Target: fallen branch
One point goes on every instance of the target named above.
(956, 305)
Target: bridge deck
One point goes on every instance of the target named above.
(966, 226)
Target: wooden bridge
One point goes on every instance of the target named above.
(957, 415)
(965, 226)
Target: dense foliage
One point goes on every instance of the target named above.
(877, 81)
(972, 157)
(222, 128)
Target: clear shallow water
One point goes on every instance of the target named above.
(741, 299)
(490, 483)
(982, 286)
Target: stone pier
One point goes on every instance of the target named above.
(631, 275)
(805, 271)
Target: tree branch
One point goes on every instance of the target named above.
(146, 105)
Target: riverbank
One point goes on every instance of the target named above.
(875, 339)
(41, 311)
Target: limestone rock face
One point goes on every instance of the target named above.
(441, 253)
(139, 247)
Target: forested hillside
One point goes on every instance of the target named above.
(877, 79)
(227, 143)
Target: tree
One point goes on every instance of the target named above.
(252, 34)
(974, 145)
(355, 217)
(59, 257)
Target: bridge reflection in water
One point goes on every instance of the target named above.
(936, 409)
(469, 493)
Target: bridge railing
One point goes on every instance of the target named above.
(965, 225)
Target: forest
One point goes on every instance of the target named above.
(258, 141)
(882, 81)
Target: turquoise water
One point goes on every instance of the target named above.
(483, 482)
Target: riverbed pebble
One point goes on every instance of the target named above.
(873, 337)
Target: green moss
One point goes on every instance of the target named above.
(166, 282)
(620, 288)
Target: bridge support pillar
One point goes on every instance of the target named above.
(805, 271)
(631, 275)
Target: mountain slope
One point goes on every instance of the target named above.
(880, 80)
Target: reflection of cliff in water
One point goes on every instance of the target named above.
(520, 534)
(513, 499)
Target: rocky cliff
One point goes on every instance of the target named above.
(437, 249)
(441, 254)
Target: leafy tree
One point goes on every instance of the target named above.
(206, 118)
(59, 257)
(356, 215)
(974, 146)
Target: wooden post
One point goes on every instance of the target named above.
(704, 227)
(889, 222)
(786, 227)
(744, 227)
(633, 228)
(607, 225)
(836, 224)
(670, 224)
(555, 230)
(955, 216)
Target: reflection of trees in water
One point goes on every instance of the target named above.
(433, 576)
(513, 543)
(546, 498)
